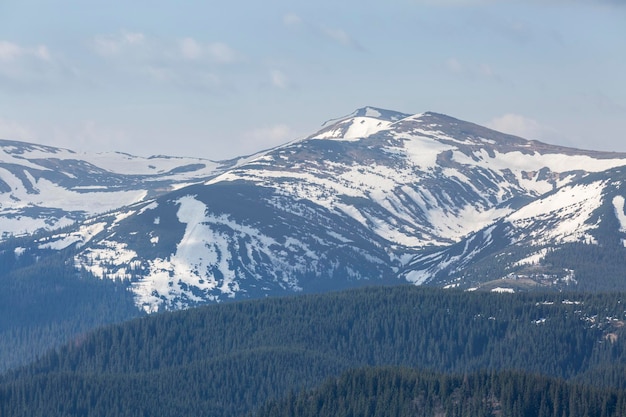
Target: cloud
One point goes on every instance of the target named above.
(189, 78)
(279, 79)
(518, 125)
(114, 44)
(11, 52)
(341, 37)
(191, 49)
(292, 19)
(336, 35)
(453, 65)
(222, 53)
(218, 52)
(482, 70)
(89, 135)
(266, 137)
(30, 67)
(185, 63)
(10, 129)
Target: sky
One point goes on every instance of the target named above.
(221, 79)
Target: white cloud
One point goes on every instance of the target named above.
(292, 19)
(482, 70)
(518, 125)
(182, 63)
(30, 67)
(336, 35)
(184, 77)
(266, 137)
(222, 53)
(90, 136)
(217, 52)
(279, 79)
(9, 51)
(12, 130)
(190, 49)
(453, 65)
(113, 44)
(341, 37)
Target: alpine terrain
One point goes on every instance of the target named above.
(375, 197)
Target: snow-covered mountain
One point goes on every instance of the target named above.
(45, 188)
(376, 196)
(520, 249)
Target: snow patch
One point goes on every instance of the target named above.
(565, 215)
(618, 204)
(353, 129)
(502, 290)
(532, 259)
(81, 237)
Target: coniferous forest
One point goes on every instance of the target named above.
(418, 351)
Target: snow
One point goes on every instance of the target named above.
(417, 277)
(503, 290)
(54, 196)
(84, 234)
(20, 226)
(116, 162)
(353, 129)
(206, 247)
(618, 204)
(421, 151)
(370, 112)
(525, 164)
(517, 161)
(532, 259)
(107, 261)
(151, 206)
(565, 213)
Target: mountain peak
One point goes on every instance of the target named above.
(378, 113)
(370, 112)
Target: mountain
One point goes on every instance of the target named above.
(373, 197)
(581, 224)
(45, 188)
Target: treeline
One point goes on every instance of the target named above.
(597, 268)
(229, 359)
(49, 303)
(376, 392)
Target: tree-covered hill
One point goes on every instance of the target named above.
(229, 359)
(47, 303)
(383, 392)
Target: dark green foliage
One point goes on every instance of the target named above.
(226, 360)
(598, 268)
(380, 392)
(48, 304)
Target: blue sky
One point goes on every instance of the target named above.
(222, 79)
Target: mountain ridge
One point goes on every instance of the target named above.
(375, 196)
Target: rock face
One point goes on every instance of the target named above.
(375, 197)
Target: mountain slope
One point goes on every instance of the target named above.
(373, 197)
(536, 242)
(45, 188)
(227, 360)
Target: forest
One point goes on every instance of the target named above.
(244, 357)
(401, 392)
